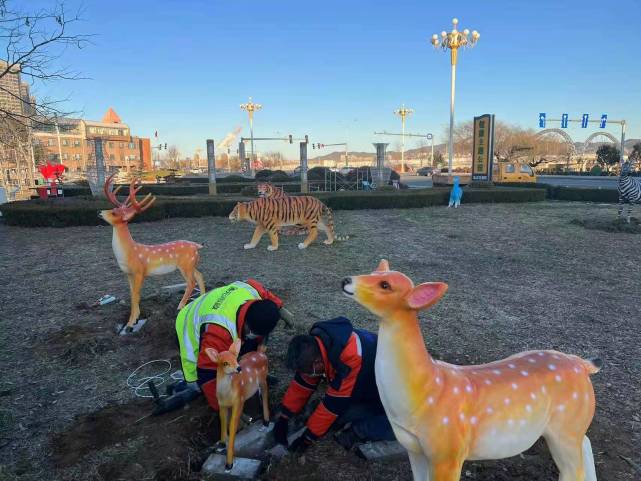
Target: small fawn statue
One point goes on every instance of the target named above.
(139, 260)
(236, 382)
(444, 414)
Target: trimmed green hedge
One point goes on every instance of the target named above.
(581, 194)
(79, 211)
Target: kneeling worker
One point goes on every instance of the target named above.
(344, 357)
(241, 310)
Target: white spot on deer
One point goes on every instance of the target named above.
(515, 386)
(489, 410)
(586, 396)
(543, 390)
(522, 422)
(511, 365)
(430, 400)
(468, 388)
(487, 381)
(561, 407)
(461, 416)
(251, 379)
(557, 378)
(497, 372)
(525, 373)
(446, 420)
(551, 367)
(531, 360)
(161, 259)
(438, 380)
(540, 353)
(456, 390)
(140, 256)
(577, 370)
(575, 395)
(528, 408)
(473, 420)
(556, 356)
(506, 401)
(532, 395)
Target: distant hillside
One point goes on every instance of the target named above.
(409, 154)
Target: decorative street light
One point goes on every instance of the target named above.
(251, 107)
(402, 113)
(453, 40)
(431, 138)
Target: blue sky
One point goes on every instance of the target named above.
(337, 70)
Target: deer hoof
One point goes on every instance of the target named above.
(249, 246)
(271, 248)
(302, 245)
(228, 467)
(220, 447)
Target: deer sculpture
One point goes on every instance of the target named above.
(139, 260)
(444, 414)
(237, 381)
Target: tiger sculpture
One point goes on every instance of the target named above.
(269, 214)
(267, 190)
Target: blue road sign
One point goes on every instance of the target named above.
(584, 121)
(604, 120)
(542, 120)
(564, 121)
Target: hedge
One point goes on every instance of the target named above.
(84, 211)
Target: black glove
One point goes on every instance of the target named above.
(280, 430)
(301, 443)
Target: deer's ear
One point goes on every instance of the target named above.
(426, 294)
(235, 347)
(213, 354)
(383, 266)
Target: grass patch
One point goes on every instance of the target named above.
(607, 225)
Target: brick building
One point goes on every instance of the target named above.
(72, 142)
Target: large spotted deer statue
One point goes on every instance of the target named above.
(445, 414)
(139, 260)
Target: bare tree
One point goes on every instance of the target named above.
(35, 41)
(171, 156)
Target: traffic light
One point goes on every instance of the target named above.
(290, 139)
(306, 139)
(564, 121)
(313, 146)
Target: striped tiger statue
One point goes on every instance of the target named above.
(267, 190)
(269, 214)
(629, 189)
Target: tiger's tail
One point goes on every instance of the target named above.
(330, 224)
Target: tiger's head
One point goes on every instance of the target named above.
(264, 189)
(239, 212)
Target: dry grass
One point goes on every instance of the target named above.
(521, 277)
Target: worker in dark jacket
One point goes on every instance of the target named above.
(344, 357)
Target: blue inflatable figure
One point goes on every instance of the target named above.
(456, 194)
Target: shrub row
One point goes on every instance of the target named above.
(557, 192)
(84, 211)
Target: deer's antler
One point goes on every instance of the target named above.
(145, 203)
(111, 195)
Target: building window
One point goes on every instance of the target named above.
(120, 132)
(76, 143)
(111, 145)
(49, 142)
(77, 157)
(65, 142)
(131, 145)
(112, 156)
(65, 156)
(122, 145)
(509, 168)
(122, 158)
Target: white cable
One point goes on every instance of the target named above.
(142, 383)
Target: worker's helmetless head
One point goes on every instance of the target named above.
(304, 356)
(261, 318)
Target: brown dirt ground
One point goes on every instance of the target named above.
(521, 277)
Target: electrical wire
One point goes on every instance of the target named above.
(141, 384)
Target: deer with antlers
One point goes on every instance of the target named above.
(139, 260)
(444, 414)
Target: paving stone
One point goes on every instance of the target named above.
(382, 450)
(243, 469)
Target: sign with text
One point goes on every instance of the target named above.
(483, 147)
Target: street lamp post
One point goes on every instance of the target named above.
(453, 40)
(431, 138)
(402, 113)
(250, 107)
